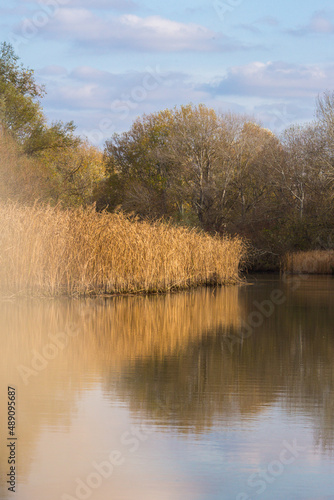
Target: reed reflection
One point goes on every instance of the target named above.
(287, 360)
(165, 357)
(53, 351)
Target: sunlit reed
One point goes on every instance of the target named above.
(47, 250)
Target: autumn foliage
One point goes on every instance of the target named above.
(191, 166)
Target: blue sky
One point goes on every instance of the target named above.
(105, 62)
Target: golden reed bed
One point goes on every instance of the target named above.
(50, 251)
(312, 262)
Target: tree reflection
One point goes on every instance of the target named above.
(166, 358)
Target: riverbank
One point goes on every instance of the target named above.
(312, 262)
(48, 251)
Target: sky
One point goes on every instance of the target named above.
(106, 62)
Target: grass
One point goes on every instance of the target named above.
(312, 262)
(49, 251)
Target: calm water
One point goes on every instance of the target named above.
(203, 395)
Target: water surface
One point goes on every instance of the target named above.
(202, 395)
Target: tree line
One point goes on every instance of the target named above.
(221, 172)
(225, 173)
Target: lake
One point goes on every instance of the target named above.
(209, 394)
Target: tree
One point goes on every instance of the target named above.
(137, 172)
(251, 187)
(225, 173)
(74, 173)
(57, 136)
(21, 113)
(171, 163)
(325, 113)
(20, 108)
(196, 149)
(325, 123)
(193, 164)
(300, 178)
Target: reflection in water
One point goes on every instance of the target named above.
(289, 359)
(86, 371)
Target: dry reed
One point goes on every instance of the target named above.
(312, 262)
(46, 250)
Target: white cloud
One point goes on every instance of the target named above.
(102, 102)
(277, 116)
(268, 21)
(86, 88)
(53, 71)
(320, 23)
(122, 5)
(129, 31)
(274, 79)
(263, 22)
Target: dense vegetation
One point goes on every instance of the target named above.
(222, 173)
(311, 262)
(52, 251)
(227, 174)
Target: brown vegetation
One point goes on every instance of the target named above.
(46, 250)
(312, 262)
(21, 178)
(66, 175)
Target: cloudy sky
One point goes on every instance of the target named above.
(105, 62)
